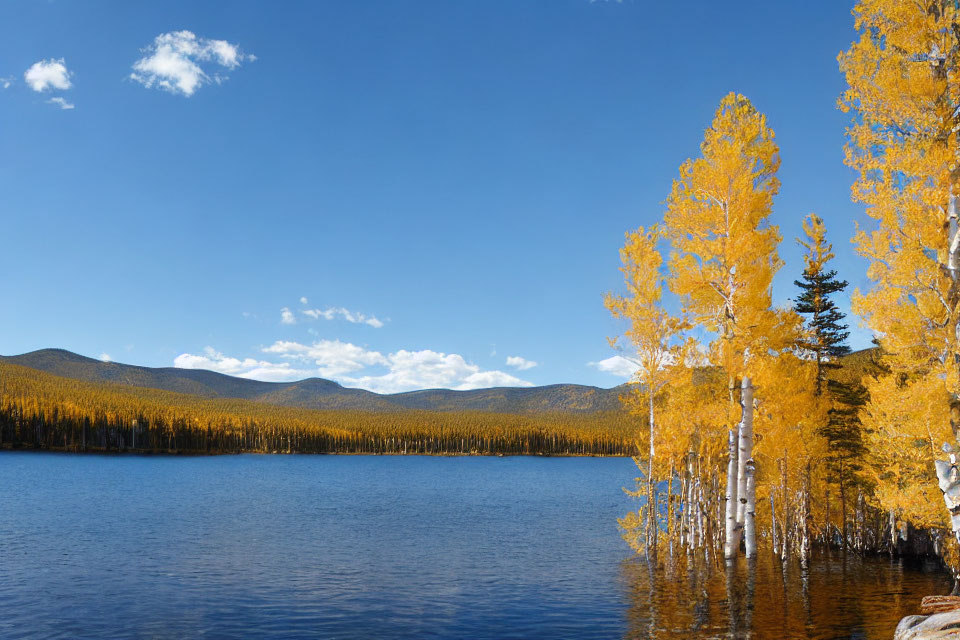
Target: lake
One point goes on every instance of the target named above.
(259, 546)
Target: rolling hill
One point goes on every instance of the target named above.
(318, 393)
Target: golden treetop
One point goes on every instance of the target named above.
(903, 90)
(725, 249)
(651, 327)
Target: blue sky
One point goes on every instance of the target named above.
(445, 185)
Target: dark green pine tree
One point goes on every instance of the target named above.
(827, 338)
(826, 341)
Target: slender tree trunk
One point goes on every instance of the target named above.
(731, 543)
(893, 533)
(805, 548)
(829, 538)
(750, 524)
(685, 504)
(671, 529)
(746, 491)
(786, 513)
(773, 527)
(651, 502)
(843, 508)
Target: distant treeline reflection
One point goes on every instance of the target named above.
(42, 411)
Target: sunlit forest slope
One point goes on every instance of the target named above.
(44, 411)
(56, 412)
(317, 393)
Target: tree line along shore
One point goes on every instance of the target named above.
(42, 411)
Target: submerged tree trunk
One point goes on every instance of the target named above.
(843, 509)
(893, 533)
(826, 518)
(750, 524)
(651, 501)
(745, 470)
(805, 525)
(786, 513)
(773, 527)
(671, 529)
(732, 532)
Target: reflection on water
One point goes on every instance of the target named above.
(838, 596)
(248, 547)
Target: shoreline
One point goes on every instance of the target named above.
(6, 448)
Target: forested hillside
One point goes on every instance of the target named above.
(317, 393)
(43, 411)
(40, 410)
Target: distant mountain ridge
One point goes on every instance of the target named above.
(318, 393)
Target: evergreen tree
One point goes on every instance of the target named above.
(827, 337)
(826, 341)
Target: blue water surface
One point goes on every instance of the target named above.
(259, 546)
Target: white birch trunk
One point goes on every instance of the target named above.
(731, 543)
(745, 446)
(698, 536)
(893, 533)
(748, 502)
(949, 480)
(651, 498)
(785, 496)
(750, 522)
(692, 504)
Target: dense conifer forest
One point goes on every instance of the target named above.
(43, 411)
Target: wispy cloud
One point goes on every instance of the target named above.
(172, 62)
(616, 365)
(519, 363)
(339, 312)
(356, 366)
(46, 75)
(287, 317)
(63, 104)
(6, 82)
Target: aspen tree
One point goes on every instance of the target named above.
(651, 334)
(788, 417)
(903, 92)
(724, 260)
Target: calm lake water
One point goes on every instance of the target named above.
(386, 547)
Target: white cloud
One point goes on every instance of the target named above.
(6, 82)
(287, 317)
(105, 357)
(48, 74)
(332, 358)
(339, 312)
(303, 300)
(356, 366)
(617, 365)
(172, 62)
(520, 363)
(61, 102)
(427, 369)
(246, 368)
